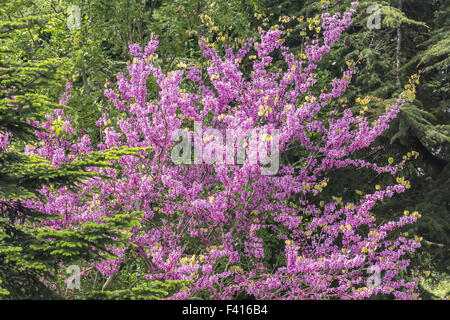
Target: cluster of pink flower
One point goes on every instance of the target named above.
(4, 142)
(205, 223)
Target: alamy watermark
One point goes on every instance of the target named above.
(257, 146)
(374, 279)
(74, 281)
(74, 19)
(374, 20)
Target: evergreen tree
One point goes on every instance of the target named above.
(30, 251)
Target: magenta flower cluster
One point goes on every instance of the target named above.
(210, 223)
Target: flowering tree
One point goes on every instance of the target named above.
(213, 222)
